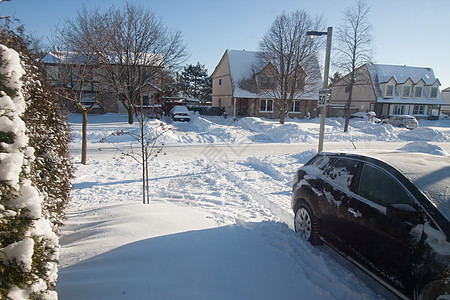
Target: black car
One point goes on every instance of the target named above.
(387, 212)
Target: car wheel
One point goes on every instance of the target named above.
(305, 224)
(434, 290)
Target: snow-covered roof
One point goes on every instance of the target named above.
(380, 73)
(71, 57)
(242, 65)
(402, 73)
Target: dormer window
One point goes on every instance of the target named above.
(267, 82)
(434, 92)
(417, 92)
(390, 90)
(406, 91)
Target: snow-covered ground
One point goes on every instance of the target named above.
(219, 224)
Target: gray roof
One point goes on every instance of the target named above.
(380, 73)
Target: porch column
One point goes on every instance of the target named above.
(234, 108)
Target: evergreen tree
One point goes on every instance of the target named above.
(336, 76)
(28, 246)
(48, 130)
(195, 82)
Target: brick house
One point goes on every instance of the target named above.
(92, 91)
(244, 87)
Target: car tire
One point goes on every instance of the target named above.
(306, 225)
(433, 290)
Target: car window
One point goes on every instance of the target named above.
(380, 187)
(320, 162)
(344, 172)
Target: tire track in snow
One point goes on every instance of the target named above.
(254, 184)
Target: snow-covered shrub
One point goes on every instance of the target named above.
(47, 130)
(28, 246)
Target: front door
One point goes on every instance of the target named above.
(242, 107)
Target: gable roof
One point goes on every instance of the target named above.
(242, 65)
(380, 73)
(401, 74)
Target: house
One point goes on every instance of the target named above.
(243, 87)
(446, 95)
(65, 68)
(389, 90)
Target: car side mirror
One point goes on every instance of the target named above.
(403, 212)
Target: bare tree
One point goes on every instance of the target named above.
(149, 149)
(72, 74)
(289, 56)
(355, 47)
(139, 47)
(131, 49)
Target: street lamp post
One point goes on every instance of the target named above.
(326, 71)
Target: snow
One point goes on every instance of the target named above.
(380, 73)
(18, 193)
(244, 64)
(19, 252)
(219, 224)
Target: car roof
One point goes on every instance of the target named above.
(430, 173)
(179, 108)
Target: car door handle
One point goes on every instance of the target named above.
(355, 213)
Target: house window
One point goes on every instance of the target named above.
(267, 82)
(390, 90)
(145, 100)
(406, 92)
(87, 99)
(300, 84)
(419, 110)
(434, 92)
(417, 92)
(220, 81)
(295, 106)
(399, 109)
(220, 101)
(266, 105)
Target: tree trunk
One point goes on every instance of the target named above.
(130, 115)
(84, 137)
(282, 116)
(349, 101)
(144, 162)
(347, 114)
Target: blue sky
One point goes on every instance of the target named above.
(406, 32)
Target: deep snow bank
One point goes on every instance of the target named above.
(217, 130)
